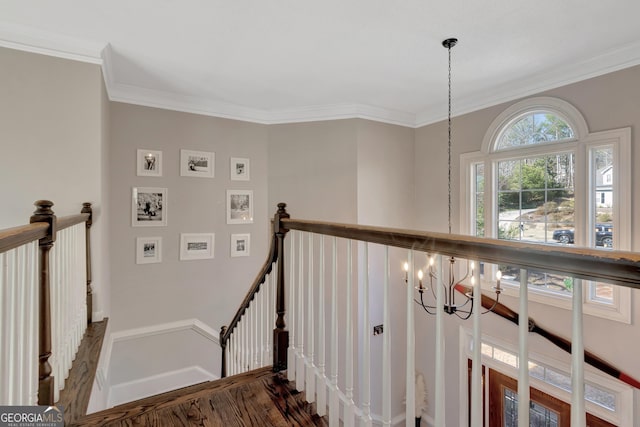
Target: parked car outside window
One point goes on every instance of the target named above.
(603, 235)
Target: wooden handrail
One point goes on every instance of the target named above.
(71, 220)
(15, 237)
(611, 266)
(11, 238)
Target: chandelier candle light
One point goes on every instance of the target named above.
(434, 275)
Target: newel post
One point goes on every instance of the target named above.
(223, 345)
(86, 208)
(43, 213)
(280, 334)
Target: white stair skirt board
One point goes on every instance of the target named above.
(145, 387)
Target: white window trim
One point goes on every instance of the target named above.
(620, 310)
(623, 415)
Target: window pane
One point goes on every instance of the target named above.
(602, 292)
(539, 415)
(535, 128)
(479, 199)
(536, 198)
(539, 280)
(602, 169)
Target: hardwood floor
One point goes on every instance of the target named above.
(77, 390)
(257, 398)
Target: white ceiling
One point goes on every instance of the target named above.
(298, 60)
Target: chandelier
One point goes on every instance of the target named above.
(435, 276)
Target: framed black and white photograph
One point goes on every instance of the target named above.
(148, 207)
(239, 206)
(240, 169)
(197, 163)
(240, 244)
(196, 246)
(149, 162)
(148, 250)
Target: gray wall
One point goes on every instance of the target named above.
(51, 141)
(172, 290)
(385, 198)
(312, 168)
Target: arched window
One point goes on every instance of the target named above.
(541, 177)
(536, 127)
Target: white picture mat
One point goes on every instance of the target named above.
(148, 250)
(240, 169)
(239, 206)
(196, 246)
(197, 163)
(148, 162)
(240, 244)
(148, 207)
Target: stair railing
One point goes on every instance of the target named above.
(45, 292)
(247, 341)
(330, 267)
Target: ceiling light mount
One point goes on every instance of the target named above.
(449, 43)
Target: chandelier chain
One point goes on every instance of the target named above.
(449, 142)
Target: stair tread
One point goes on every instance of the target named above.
(74, 398)
(256, 398)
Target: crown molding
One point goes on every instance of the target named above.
(209, 107)
(614, 60)
(29, 39)
(34, 40)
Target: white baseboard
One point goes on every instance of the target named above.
(145, 387)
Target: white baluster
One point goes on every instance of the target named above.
(321, 390)
(410, 402)
(272, 313)
(300, 374)
(13, 325)
(334, 402)
(233, 361)
(32, 328)
(291, 312)
(578, 416)
(523, 343)
(245, 343)
(386, 346)
(24, 357)
(265, 322)
(476, 369)
(229, 361)
(255, 324)
(310, 367)
(439, 409)
(365, 372)
(4, 344)
(349, 407)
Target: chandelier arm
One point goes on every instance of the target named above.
(495, 303)
(468, 314)
(467, 302)
(425, 306)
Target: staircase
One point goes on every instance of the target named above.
(256, 398)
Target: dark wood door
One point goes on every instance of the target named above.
(545, 410)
